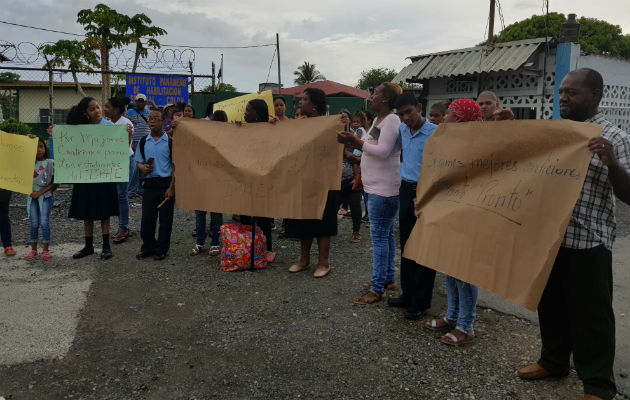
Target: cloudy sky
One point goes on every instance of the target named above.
(342, 38)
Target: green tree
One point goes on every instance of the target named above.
(307, 73)
(12, 125)
(106, 29)
(77, 56)
(220, 88)
(9, 77)
(374, 77)
(140, 27)
(596, 36)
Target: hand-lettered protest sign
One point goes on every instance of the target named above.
(17, 160)
(91, 153)
(162, 89)
(235, 107)
(494, 201)
(283, 170)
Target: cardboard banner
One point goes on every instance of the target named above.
(283, 170)
(91, 153)
(17, 162)
(495, 199)
(162, 89)
(235, 107)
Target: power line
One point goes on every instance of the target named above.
(161, 44)
(270, 64)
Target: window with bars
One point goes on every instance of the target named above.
(59, 116)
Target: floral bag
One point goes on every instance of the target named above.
(237, 247)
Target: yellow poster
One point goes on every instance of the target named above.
(235, 108)
(17, 161)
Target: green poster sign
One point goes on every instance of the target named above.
(91, 153)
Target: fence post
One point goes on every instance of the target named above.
(192, 77)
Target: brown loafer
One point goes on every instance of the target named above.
(591, 397)
(533, 372)
(368, 298)
(321, 271)
(298, 268)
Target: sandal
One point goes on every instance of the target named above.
(195, 250)
(45, 256)
(120, 237)
(443, 324)
(270, 257)
(9, 251)
(30, 256)
(368, 298)
(214, 250)
(388, 286)
(457, 338)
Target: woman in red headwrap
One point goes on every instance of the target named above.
(462, 296)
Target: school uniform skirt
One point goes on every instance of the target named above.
(310, 228)
(94, 201)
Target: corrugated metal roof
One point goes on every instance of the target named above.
(474, 60)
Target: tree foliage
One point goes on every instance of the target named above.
(374, 77)
(307, 73)
(77, 56)
(140, 27)
(220, 88)
(596, 36)
(12, 125)
(9, 77)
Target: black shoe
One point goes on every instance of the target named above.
(159, 256)
(84, 252)
(143, 254)
(106, 254)
(414, 314)
(397, 302)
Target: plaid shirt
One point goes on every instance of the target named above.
(593, 221)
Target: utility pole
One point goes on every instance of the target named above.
(491, 23)
(278, 51)
(214, 88)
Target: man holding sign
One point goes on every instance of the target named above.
(575, 311)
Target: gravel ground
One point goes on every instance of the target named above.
(183, 329)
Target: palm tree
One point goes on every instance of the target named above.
(140, 28)
(307, 73)
(78, 56)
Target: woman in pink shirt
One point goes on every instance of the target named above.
(381, 180)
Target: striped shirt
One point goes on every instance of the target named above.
(140, 124)
(593, 221)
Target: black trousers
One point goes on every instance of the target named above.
(353, 198)
(154, 194)
(264, 224)
(576, 316)
(416, 281)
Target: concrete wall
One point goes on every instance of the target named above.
(31, 100)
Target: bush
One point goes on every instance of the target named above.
(12, 125)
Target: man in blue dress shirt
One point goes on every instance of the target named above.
(416, 280)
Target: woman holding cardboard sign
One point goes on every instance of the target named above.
(92, 201)
(313, 104)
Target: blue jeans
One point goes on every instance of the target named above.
(40, 218)
(216, 220)
(382, 211)
(462, 303)
(123, 206)
(5, 222)
(134, 177)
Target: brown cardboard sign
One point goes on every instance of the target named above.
(494, 201)
(283, 170)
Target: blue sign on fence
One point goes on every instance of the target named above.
(162, 89)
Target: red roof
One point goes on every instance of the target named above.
(330, 88)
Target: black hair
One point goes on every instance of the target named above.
(78, 114)
(262, 111)
(46, 155)
(439, 107)
(361, 115)
(120, 103)
(209, 109)
(593, 79)
(406, 99)
(219, 115)
(368, 116)
(162, 113)
(346, 111)
(281, 98)
(318, 98)
(179, 106)
(190, 106)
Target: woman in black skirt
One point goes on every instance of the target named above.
(313, 104)
(92, 201)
